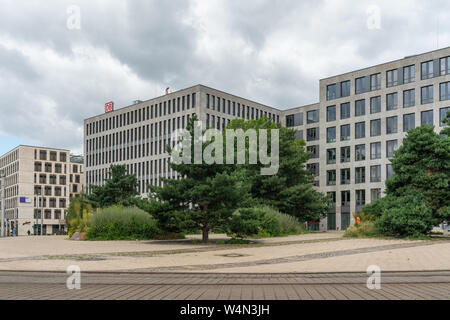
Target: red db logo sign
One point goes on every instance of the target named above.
(109, 106)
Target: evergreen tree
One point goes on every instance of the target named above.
(121, 188)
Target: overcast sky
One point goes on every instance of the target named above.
(54, 74)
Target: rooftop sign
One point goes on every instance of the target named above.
(109, 106)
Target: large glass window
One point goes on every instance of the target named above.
(331, 177)
(391, 101)
(331, 134)
(345, 110)
(375, 150)
(409, 98)
(345, 176)
(389, 171)
(444, 66)
(360, 175)
(360, 85)
(345, 88)
(360, 197)
(427, 94)
(312, 134)
(391, 146)
(426, 118)
(331, 156)
(360, 108)
(360, 152)
(294, 120)
(312, 116)
(345, 154)
(375, 128)
(427, 70)
(409, 122)
(442, 114)
(444, 91)
(375, 104)
(391, 125)
(314, 150)
(409, 74)
(375, 173)
(391, 78)
(375, 81)
(331, 113)
(345, 132)
(331, 91)
(375, 194)
(360, 130)
(345, 198)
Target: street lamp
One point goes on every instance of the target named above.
(2, 180)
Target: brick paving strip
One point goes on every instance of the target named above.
(169, 286)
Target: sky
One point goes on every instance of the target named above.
(60, 61)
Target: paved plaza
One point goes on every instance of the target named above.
(309, 266)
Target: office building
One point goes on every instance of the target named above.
(360, 120)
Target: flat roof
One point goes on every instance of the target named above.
(188, 88)
(384, 63)
(37, 147)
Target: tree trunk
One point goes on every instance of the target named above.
(205, 234)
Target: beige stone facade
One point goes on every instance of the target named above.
(39, 180)
(360, 119)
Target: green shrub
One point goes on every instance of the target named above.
(408, 215)
(263, 222)
(363, 229)
(119, 223)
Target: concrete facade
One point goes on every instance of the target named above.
(368, 110)
(31, 171)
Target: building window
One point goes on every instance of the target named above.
(427, 94)
(409, 74)
(391, 125)
(375, 150)
(331, 91)
(375, 128)
(426, 118)
(331, 177)
(389, 171)
(345, 198)
(331, 113)
(331, 156)
(409, 98)
(391, 78)
(360, 130)
(427, 70)
(360, 85)
(442, 115)
(314, 150)
(313, 168)
(331, 134)
(409, 122)
(312, 134)
(360, 197)
(345, 176)
(391, 101)
(312, 116)
(391, 146)
(375, 194)
(375, 81)
(444, 91)
(345, 154)
(360, 108)
(345, 88)
(345, 132)
(375, 173)
(294, 120)
(345, 110)
(298, 134)
(375, 104)
(360, 175)
(360, 152)
(444, 66)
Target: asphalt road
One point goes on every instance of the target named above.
(188, 286)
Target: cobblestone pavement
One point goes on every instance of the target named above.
(178, 286)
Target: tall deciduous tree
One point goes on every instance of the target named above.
(121, 188)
